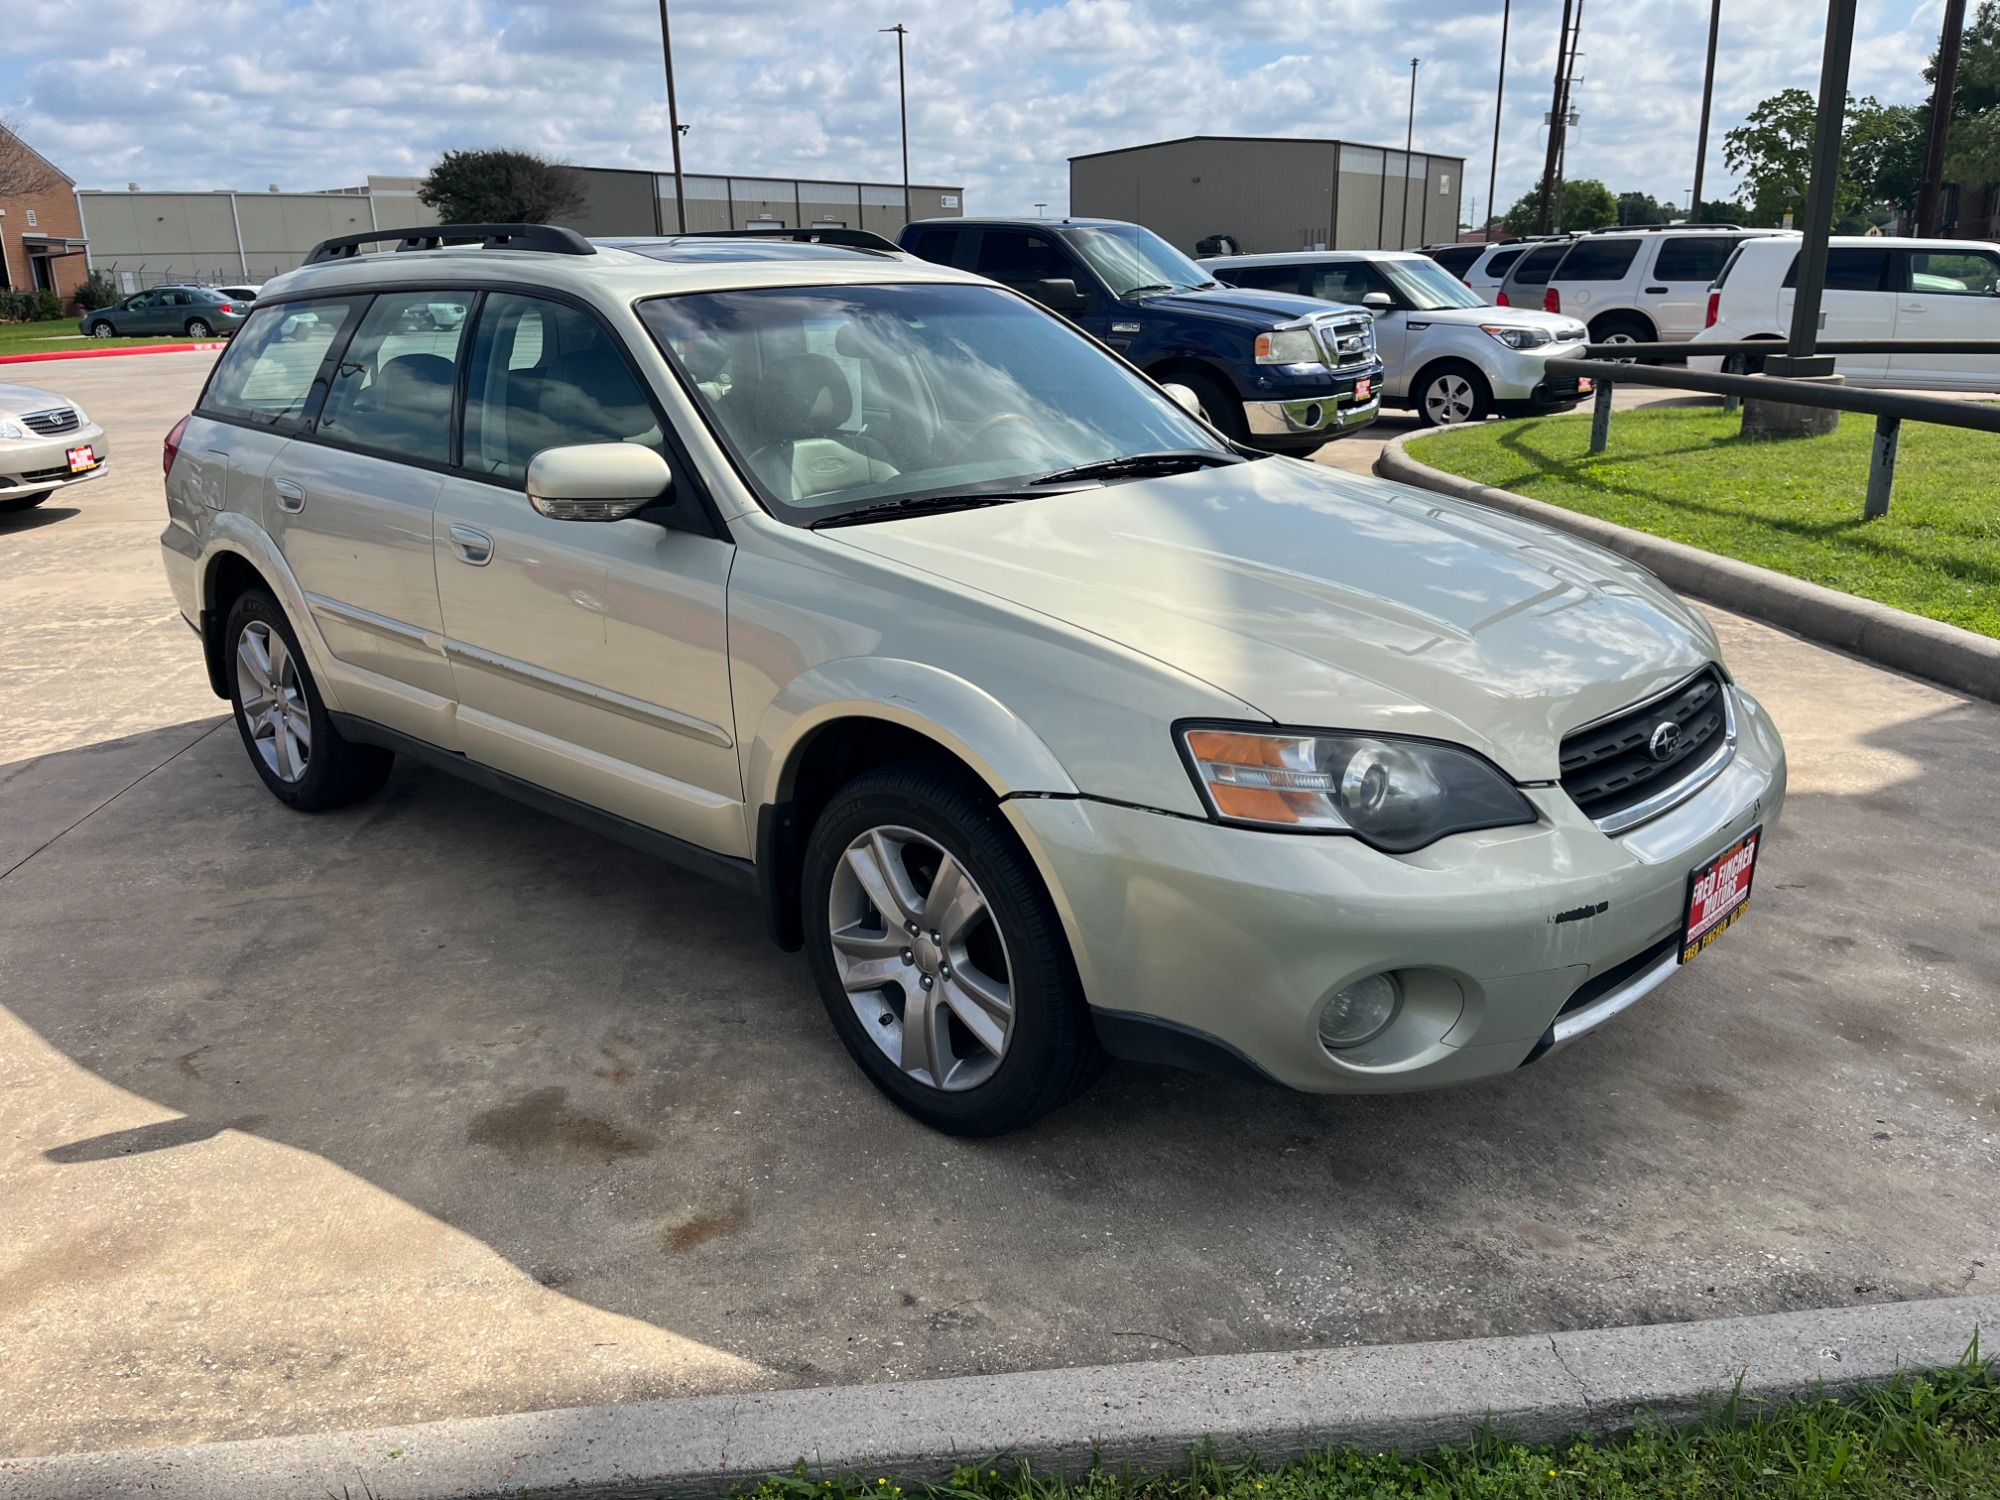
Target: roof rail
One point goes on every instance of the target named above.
(852, 239)
(1655, 228)
(430, 237)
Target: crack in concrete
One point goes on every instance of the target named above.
(1582, 1390)
(47, 843)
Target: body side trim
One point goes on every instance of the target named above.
(584, 692)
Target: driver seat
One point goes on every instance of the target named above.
(801, 406)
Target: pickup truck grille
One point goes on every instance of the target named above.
(52, 423)
(1612, 766)
(1348, 342)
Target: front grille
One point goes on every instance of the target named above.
(36, 476)
(52, 423)
(1611, 766)
(1347, 343)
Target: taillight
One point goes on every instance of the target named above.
(1552, 301)
(226, 308)
(1714, 308)
(1501, 301)
(172, 446)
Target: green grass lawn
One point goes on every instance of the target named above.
(1932, 1436)
(41, 338)
(1794, 506)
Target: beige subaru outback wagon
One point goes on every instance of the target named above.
(1052, 725)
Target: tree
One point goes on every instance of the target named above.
(501, 187)
(1881, 158)
(1978, 64)
(21, 171)
(1586, 204)
(1644, 208)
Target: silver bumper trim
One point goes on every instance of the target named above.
(1568, 1028)
(1287, 418)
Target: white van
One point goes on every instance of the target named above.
(1877, 287)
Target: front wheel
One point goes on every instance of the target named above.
(939, 955)
(101, 329)
(198, 328)
(1452, 395)
(1220, 407)
(293, 745)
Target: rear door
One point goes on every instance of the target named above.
(1675, 289)
(1591, 278)
(1948, 294)
(1529, 276)
(1858, 303)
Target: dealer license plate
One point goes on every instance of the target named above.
(1363, 389)
(1719, 893)
(82, 458)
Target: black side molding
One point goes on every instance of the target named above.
(739, 874)
(1149, 1039)
(778, 874)
(547, 237)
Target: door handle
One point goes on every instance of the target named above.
(474, 547)
(1655, 291)
(291, 497)
(1913, 307)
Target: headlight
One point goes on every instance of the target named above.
(1396, 794)
(1288, 346)
(82, 416)
(11, 429)
(1518, 338)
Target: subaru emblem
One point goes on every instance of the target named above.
(1665, 741)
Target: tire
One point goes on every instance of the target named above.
(100, 328)
(1222, 410)
(1033, 1050)
(1451, 394)
(1622, 328)
(197, 328)
(10, 504)
(313, 771)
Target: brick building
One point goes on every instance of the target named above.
(41, 234)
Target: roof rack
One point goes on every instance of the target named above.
(852, 239)
(1655, 228)
(545, 237)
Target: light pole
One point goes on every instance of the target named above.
(1799, 358)
(1930, 192)
(903, 99)
(674, 121)
(1499, 99)
(1558, 107)
(1409, 137)
(1707, 97)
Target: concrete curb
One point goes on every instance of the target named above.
(1541, 1387)
(1946, 654)
(47, 354)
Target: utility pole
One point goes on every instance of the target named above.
(903, 97)
(1707, 98)
(1409, 138)
(1930, 192)
(1499, 99)
(1558, 112)
(674, 126)
(1799, 358)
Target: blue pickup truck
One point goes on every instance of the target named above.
(1281, 372)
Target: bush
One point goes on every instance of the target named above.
(47, 306)
(29, 307)
(98, 290)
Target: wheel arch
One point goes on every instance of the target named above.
(240, 556)
(1633, 315)
(1413, 393)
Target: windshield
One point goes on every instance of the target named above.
(1428, 286)
(833, 398)
(1131, 258)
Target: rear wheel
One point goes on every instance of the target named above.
(11, 503)
(1621, 328)
(293, 745)
(939, 955)
(197, 328)
(1451, 395)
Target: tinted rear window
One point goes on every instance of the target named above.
(1262, 278)
(1693, 257)
(1502, 259)
(1457, 259)
(937, 245)
(1537, 263)
(1597, 260)
(1849, 269)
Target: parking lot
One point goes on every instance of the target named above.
(437, 1107)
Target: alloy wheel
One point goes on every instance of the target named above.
(199, 330)
(101, 330)
(1449, 400)
(921, 956)
(273, 701)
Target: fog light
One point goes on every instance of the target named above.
(1311, 416)
(1360, 1013)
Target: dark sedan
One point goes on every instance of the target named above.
(198, 312)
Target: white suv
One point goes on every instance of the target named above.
(1048, 721)
(1445, 354)
(1641, 286)
(1877, 287)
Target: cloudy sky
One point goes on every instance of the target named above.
(241, 93)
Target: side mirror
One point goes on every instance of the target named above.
(596, 481)
(1058, 294)
(1378, 301)
(1185, 398)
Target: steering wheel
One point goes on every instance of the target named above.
(975, 438)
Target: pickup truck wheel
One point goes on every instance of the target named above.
(292, 743)
(1219, 407)
(1452, 394)
(939, 955)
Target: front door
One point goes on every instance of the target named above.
(589, 657)
(1024, 258)
(1949, 294)
(1350, 281)
(1857, 304)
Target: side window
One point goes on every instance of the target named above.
(1261, 278)
(1536, 265)
(392, 390)
(1693, 257)
(1015, 256)
(545, 375)
(1502, 262)
(1345, 281)
(1955, 273)
(267, 372)
(936, 245)
(1597, 260)
(1849, 268)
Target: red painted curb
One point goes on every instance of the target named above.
(29, 359)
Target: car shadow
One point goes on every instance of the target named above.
(40, 515)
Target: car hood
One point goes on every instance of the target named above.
(1501, 317)
(1332, 601)
(15, 399)
(1260, 310)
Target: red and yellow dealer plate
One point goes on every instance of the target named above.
(1719, 893)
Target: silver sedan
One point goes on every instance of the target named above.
(47, 443)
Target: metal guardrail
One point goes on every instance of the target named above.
(1607, 365)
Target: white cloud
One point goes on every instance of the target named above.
(230, 93)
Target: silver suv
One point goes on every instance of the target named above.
(1049, 722)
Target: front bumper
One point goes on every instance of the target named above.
(42, 463)
(1231, 940)
(1316, 417)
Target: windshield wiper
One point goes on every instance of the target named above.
(1157, 286)
(1132, 465)
(928, 505)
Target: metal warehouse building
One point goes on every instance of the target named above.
(1273, 193)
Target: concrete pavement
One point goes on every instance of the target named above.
(434, 1107)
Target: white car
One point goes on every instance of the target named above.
(1877, 287)
(1637, 285)
(47, 444)
(1051, 723)
(1445, 354)
(1488, 272)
